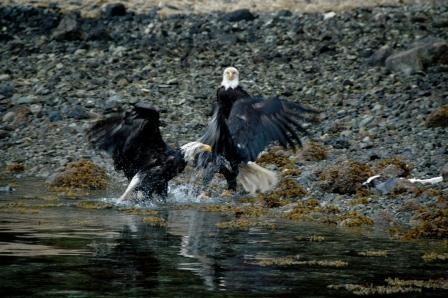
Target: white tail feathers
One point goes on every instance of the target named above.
(255, 178)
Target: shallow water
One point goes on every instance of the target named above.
(58, 249)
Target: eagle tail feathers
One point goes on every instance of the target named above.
(255, 178)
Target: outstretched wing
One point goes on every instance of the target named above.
(129, 137)
(255, 123)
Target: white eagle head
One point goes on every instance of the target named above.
(230, 78)
(190, 150)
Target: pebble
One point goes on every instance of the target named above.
(4, 77)
(9, 116)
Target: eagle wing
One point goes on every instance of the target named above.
(130, 138)
(255, 123)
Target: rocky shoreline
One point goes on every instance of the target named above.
(379, 76)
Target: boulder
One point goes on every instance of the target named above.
(115, 10)
(68, 29)
(239, 15)
(418, 58)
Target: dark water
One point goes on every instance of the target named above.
(65, 251)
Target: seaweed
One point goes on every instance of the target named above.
(287, 189)
(434, 256)
(155, 221)
(294, 260)
(93, 205)
(373, 253)
(82, 174)
(402, 166)
(245, 223)
(354, 219)
(345, 177)
(246, 211)
(282, 159)
(432, 223)
(313, 151)
(14, 168)
(438, 118)
(393, 286)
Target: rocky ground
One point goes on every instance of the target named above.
(379, 76)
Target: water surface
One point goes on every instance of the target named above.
(58, 249)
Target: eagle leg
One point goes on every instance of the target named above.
(131, 187)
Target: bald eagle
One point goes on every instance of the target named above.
(134, 141)
(242, 126)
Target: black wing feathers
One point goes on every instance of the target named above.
(254, 123)
(133, 139)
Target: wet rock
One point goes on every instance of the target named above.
(115, 10)
(6, 188)
(384, 185)
(239, 15)
(27, 99)
(392, 167)
(54, 116)
(3, 134)
(36, 108)
(345, 177)
(97, 33)
(113, 103)
(380, 55)
(6, 89)
(425, 53)
(444, 172)
(9, 116)
(68, 29)
(6, 37)
(82, 174)
(5, 77)
(78, 112)
(438, 118)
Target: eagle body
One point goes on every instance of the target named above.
(242, 126)
(226, 97)
(134, 141)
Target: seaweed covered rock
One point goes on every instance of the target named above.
(438, 118)
(345, 177)
(393, 167)
(354, 219)
(282, 159)
(287, 189)
(14, 168)
(82, 174)
(313, 151)
(432, 223)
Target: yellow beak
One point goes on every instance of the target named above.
(206, 148)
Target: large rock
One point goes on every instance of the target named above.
(69, 28)
(115, 10)
(380, 55)
(239, 15)
(423, 54)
